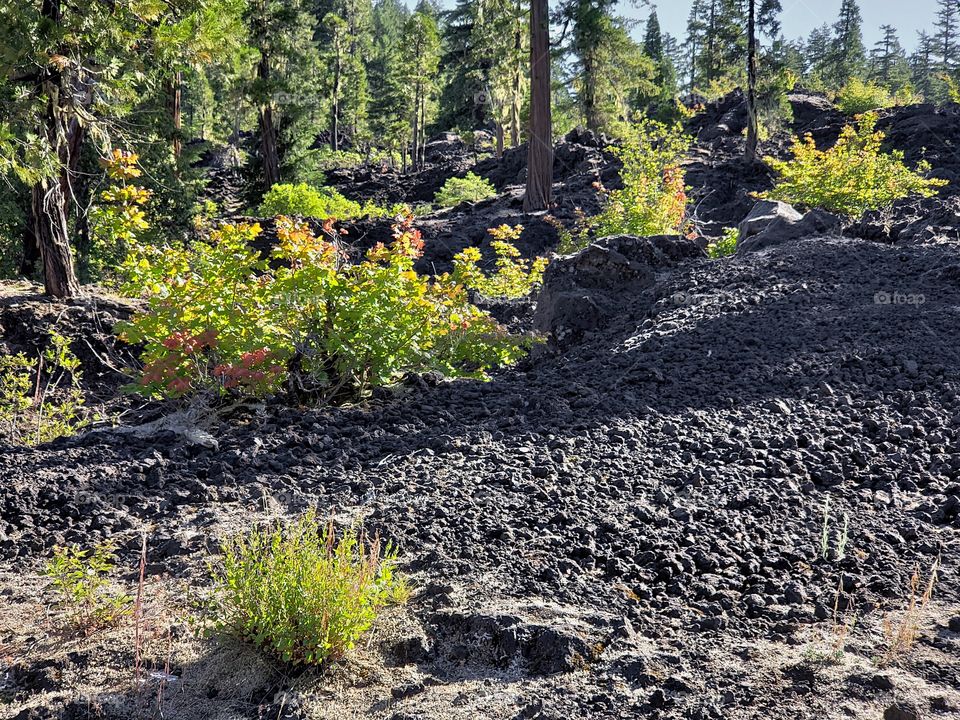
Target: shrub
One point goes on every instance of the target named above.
(515, 277)
(469, 188)
(80, 578)
(41, 400)
(301, 594)
(726, 245)
(858, 97)
(118, 219)
(308, 201)
(653, 198)
(219, 319)
(851, 177)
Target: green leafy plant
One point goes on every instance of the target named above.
(859, 96)
(81, 579)
(851, 177)
(308, 201)
(118, 218)
(469, 188)
(41, 400)
(653, 199)
(220, 318)
(725, 245)
(514, 278)
(301, 594)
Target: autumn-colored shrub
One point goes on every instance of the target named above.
(221, 318)
(851, 177)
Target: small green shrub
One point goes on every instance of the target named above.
(726, 245)
(858, 97)
(653, 199)
(301, 594)
(41, 400)
(469, 188)
(118, 219)
(514, 278)
(80, 577)
(220, 318)
(307, 201)
(851, 177)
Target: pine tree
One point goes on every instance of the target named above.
(653, 38)
(947, 24)
(420, 58)
(888, 61)
(923, 65)
(817, 51)
(847, 58)
(388, 104)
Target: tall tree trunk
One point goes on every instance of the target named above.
(415, 131)
(335, 111)
(270, 155)
(540, 143)
(753, 128)
(48, 199)
(590, 92)
(175, 98)
(516, 100)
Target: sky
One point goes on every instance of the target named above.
(799, 17)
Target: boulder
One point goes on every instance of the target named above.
(772, 223)
(581, 292)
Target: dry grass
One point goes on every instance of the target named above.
(901, 633)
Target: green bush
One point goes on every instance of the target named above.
(514, 278)
(307, 201)
(41, 400)
(653, 199)
(80, 577)
(301, 594)
(469, 188)
(851, 177)
(220, 319)
(726, 245)
(858, 97)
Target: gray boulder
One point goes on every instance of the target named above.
(772, 222)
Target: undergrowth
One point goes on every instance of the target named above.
(469, 188)
(851, 177)
(724, 245)
(81, 579)
(514, 276)
(653, 199)
(301, 594)
(220, 317)
(41, 400)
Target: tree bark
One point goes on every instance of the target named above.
(175, 96)
(540, 143)
(753, 128)
(48, 199)
(268, 132)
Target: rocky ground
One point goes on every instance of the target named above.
(705, 497)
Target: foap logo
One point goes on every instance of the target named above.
(898, 298)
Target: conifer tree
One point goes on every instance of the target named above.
(847, 57)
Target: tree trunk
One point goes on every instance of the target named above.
(48, 200)
(268, 132)
(335, 119)
(540, 143)
(516, 100)
(753, 128)
(590, 92)
(175, 96)
(50, 224)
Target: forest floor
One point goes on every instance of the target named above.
(710, 503)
